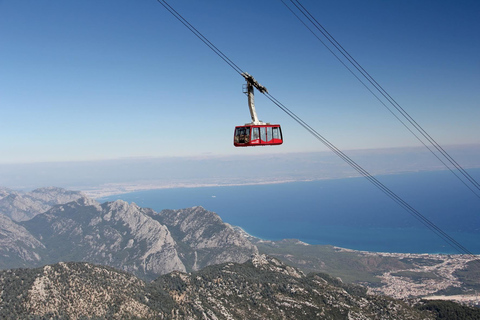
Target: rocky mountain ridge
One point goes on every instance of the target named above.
(18, 247)
(20, 206)
(148, 244)
(117, 234)
(261, 288)
(205, 237)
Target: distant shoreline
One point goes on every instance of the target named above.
(118, 189)
(111, 189)
(323, 196)
(125, 188)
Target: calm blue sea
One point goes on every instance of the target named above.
(349, 213)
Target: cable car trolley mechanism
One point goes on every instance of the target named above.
(256, 133)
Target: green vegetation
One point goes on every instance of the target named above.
(350, 266)
(470, 276)
(421, 261)
(366, 268)
(259, 289)
(450, 291)
(449, 310)
(67, 288)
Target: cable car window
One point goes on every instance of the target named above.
(242, 135)
(269, 134)
(247, 134)
(237, 135)
(276, 133)
(255, 134)
(263, 134)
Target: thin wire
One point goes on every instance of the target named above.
(394, 102)
(375, 95)
(416, 214)
(439, 232)
(383, 92)
(200, 36)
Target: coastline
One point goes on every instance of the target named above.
(110, 189)
(422, 276)
(124, 188)
(399, 283)
(290, 199)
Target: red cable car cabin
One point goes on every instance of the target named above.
(251, 135)
(256, 133)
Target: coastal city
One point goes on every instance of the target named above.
(433, 273)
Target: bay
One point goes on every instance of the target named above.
(349, 213)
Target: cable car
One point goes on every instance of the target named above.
(251, 135)
(256, 133)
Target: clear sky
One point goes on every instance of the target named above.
(90, 80)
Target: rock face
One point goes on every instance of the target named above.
(205, 237)
(18, 248)
(24, 206)
(116, 234)
(262, 288)
(5, 192)
(71, 291)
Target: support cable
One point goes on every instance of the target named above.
(200, 36)
(416, 214)
(429, 224)
(383, 92)
(376, 96)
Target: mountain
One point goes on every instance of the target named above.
(5, 192)
(148, 244)
(71, 291)
(24, 206)
(205, 239)
(116, 234)
(261, 288)
(265, 288)
(127, 237)
(18, 248)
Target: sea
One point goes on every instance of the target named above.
(350, 213)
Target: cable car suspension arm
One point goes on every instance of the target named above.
(251, 83)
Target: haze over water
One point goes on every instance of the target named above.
(349, 213)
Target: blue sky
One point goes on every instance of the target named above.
(92, 80)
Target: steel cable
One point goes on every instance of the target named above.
(429, 224)
(384, 93)
(200, 36)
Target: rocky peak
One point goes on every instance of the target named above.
(267, 263)
(87, 202)
(72, 291)
(123, 207)
(262, 288)
(228, 291)
(54, 195)
(5, 192)
(17, 244)
(207, 239)
(24, 206)
(117, 234)
(78, 210)
(128, 237)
